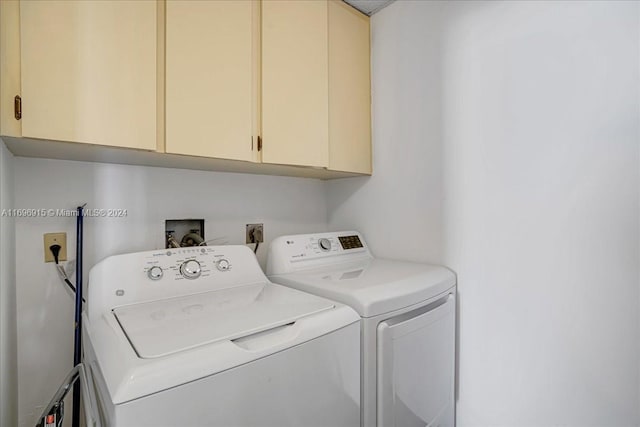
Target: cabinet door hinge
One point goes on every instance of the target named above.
(259, 143)
(17, 107)
(251, 142)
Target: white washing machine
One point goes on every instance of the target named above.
(200, 337)
(408, 322)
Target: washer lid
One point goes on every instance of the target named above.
(160, 328)
(373, 286)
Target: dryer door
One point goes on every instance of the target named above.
(416, 355)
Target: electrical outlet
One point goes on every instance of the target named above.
(51, 239)
(255, 233)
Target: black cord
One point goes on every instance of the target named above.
(71, 286)
(55, 250)
(255, 250)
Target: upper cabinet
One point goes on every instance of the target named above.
(277, 87)
(316, 104)
(9, 67)
(88, 71)
(295, 83)
(210, 70)
(349, 90)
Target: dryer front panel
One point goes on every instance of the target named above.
(416, 354)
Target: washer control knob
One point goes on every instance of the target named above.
(223, 264)
(155, 273)
(190, 269)
(325, 244)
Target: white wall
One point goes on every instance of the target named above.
(8, 344)
(226, 201)
(536, 117)
(397, 221)
(541, 161)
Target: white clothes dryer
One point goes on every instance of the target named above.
(200, 337)
(408, 322)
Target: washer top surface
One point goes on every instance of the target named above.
(348, 273)
(161, 328)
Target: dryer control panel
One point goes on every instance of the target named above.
(304, 251)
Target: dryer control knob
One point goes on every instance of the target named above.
(155, 273)
(325, 244)
(190, 269)
(223, 264)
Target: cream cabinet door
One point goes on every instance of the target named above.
(349, 90)
(89, 71)
(209, 77)
(9, 67)
(295, 115)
